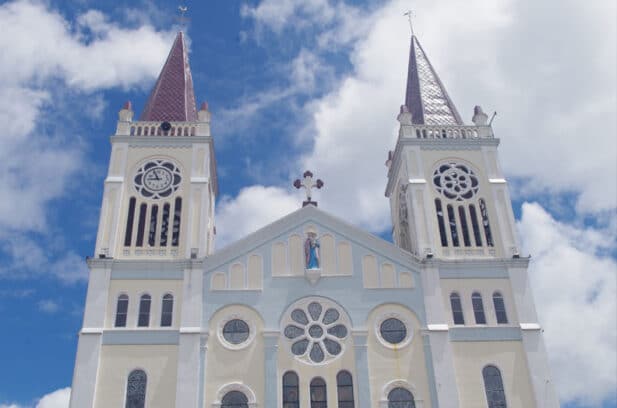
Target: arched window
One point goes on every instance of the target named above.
(400, 398)
(452, 222)
(154, 215)
(465, 229)
(141, 226)
(122, 307)
(486, 224)
(344, 385)
(165, 225)
(474, 223)
(457, 309)
(478, 308)
(234, 399)
(319, 398)
(136, 389)
(441, 223)
(493, 385)
(175, 237)
(128, 236)
(500, 308)
(167, 310)
(144, 311)
(291, 390)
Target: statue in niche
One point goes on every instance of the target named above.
(311, 250)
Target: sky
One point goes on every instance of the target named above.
(308, 84)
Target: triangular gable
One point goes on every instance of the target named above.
(322, 220)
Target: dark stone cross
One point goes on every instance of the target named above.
(308, 185)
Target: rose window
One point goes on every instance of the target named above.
(455, 181)
(315, 332)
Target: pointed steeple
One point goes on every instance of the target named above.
(173, 97)
(426, 97)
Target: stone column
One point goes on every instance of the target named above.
(362, 380)
(271, 396)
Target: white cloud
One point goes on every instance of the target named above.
(44, 59)
(56, 399)
(48, 306)
(575, 290)
(253, 208)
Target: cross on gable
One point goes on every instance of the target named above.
(308, 184)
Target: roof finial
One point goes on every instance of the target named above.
(183, 19)
(308, 184)
(409, 15)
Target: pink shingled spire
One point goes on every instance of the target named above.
(173, 98)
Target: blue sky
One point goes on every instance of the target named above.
(307, 84)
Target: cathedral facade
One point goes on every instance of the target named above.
(308, 311)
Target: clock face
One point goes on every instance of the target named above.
(157, 179)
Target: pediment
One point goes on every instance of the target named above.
(278, 250)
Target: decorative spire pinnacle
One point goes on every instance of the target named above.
(426, 97)
(173, 97)
(308, 184)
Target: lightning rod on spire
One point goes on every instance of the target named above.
(409, 15)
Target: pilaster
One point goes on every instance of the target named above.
(272, 391)
(363, 384)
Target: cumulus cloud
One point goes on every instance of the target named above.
(53, 59)
(56, 399)
(576, 292)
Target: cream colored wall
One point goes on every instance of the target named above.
(134, 289)
(508, 356)
(405, 363)
(486, 287)
(116, 362)
(225, 365)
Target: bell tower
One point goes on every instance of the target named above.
(448, 196)
(158, 200)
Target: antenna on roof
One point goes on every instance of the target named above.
(409, 15)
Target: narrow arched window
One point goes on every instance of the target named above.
(175, 238)
(464, 227)
(136, 389)
(486, 224)
(234, 399)
(452, 222)
(478, 308)
(291, 390)
(141, 225)
(441, 223)
(128, 236)
(319, 398)
(122, 307)
(500, 308)
(154, 214)
(165, 225)
(400, 398)
(474, 223)
(457, 309)
(167, 310)
(144, 311)
(344, 388)
(493, 385)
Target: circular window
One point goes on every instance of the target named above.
(236, 331)
(393, 330)
(157, 179)
(455, 181)
(315, 331)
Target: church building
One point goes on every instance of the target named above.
(309, 311)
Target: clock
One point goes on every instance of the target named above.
(157, 178)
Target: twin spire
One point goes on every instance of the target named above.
(173, 97)
(426, 97)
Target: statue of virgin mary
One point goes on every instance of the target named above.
(311, 251)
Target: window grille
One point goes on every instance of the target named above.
(457, 309)
(400, 398)
(291, 390)
(493, 386)
(167, 310)
(478, 308)
(128, 236)
(440, 221)
(500, 308)
(142, 225)
(464, 228)
(144, 311)
(486, 224)
(319, 398)
(234, 399)
(476, 227)
(122, 308)
(344, 385)
(136, 389)
(452, 222)
(175, 239)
